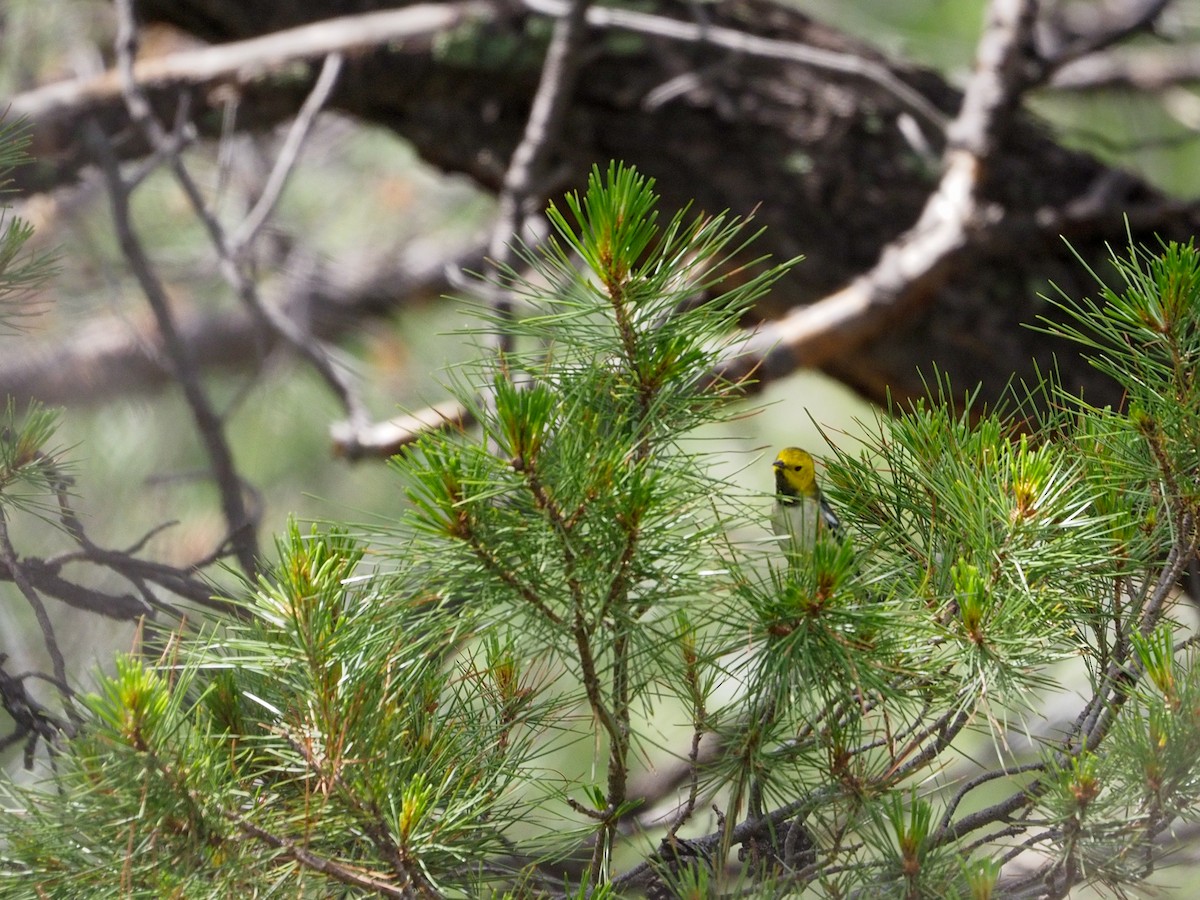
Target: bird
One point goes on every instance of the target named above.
(801, 511)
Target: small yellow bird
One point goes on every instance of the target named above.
(801, 511)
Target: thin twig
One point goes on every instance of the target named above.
(32, 721)
(123, 562)
(751, 45)
(208, 423)
(699, 727)
(528, 162)
(8, 555)
(267, 316)
(953, 217)
(317, 863)
(289, 155)
(980, 780)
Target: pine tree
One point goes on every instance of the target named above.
(408, 718)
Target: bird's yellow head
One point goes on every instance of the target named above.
(795, 473)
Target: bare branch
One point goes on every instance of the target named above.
(32, 721)
(982, 779)
(909, 267)
(45, 577)
(235, 275)
(839, 219)
(243, 61)
(751, 45)
(110, 357)
(289, 155)
(208, 423)
(338, 871)
(384, 439)
(8, 556)
(45, 574)
(528, 162)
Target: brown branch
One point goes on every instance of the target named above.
(289, 155)
(528, 162)
(8, 556)
(31, 720)
(721, 140)
(982, 779)
(909, 267)
(384, 439)
(339, 872)
(244, 62)
(179, 580)
(240, 521)
(255, 76)
(45, 577)
(241, 527)
(112, 358)
(750, 45)
(235, 275)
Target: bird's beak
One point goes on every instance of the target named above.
(778, 464)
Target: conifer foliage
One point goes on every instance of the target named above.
(567, 671)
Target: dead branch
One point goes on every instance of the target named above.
(246, 61)
(735, 112)
(909, 266)
(527, 166)
(208, 423)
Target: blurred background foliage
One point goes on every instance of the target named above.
(137, 460)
